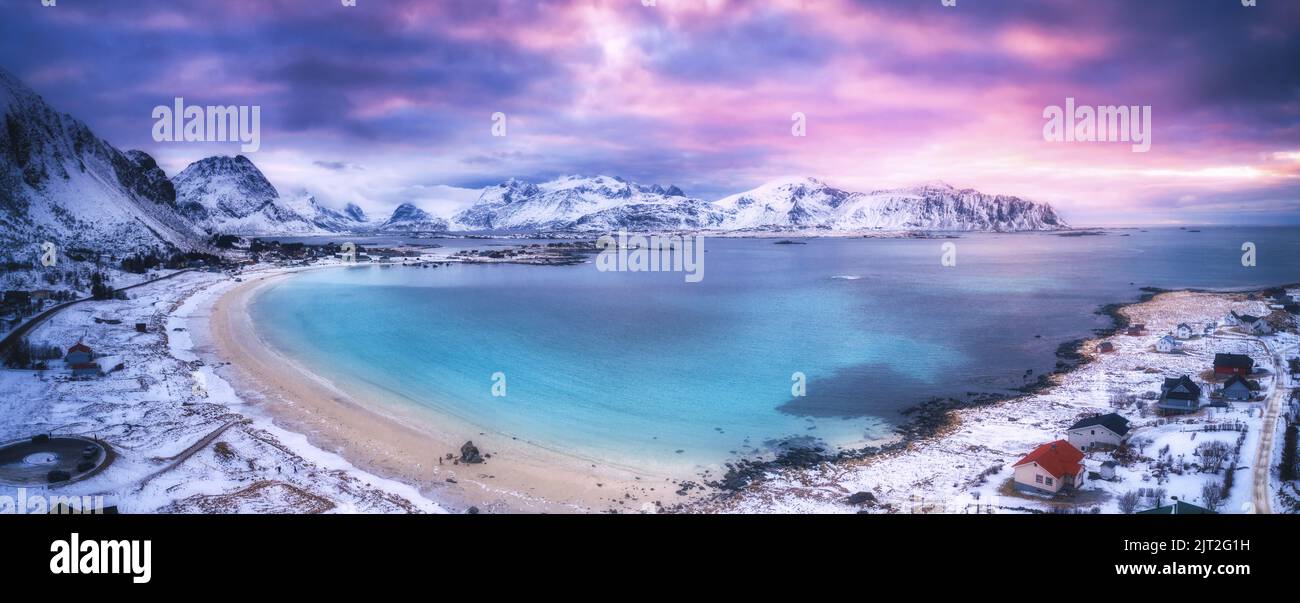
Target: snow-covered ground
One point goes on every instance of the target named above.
(969, 469)
(157, 410)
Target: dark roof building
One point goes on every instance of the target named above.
(1112, 421)
(1178, 508)
(1237, 389)
(1233, 364)
(1179, 394)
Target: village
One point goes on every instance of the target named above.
(1189, 406)
(1110, 448)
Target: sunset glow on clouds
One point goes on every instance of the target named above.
(391, 101)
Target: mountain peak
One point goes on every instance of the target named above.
(409, 218)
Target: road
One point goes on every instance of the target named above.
(1264, 455)
(22, 330)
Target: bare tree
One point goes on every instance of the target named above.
(1158, 495)
(1212, 495)
(1128, 502)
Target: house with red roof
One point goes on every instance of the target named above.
(79, 353)
(1053, 467)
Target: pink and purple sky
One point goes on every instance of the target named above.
(391, 100)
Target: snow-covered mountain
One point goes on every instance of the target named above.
(584, 203)
(61, 183)
(941, 207)
(605, 203)
(808, 203)
(229, 195)
(792, 203)
(409, 218)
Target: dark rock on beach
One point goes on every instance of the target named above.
(860, 499)
(469, 454)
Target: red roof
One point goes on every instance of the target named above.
(1059, 458)
(79, 347)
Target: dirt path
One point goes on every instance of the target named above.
(188, 452)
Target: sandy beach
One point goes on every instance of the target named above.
(405, 446)
(403, 442)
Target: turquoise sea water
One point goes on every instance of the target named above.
(645, 369)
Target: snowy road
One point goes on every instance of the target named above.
(1264, 456)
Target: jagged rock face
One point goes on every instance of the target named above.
(576, 202)
(942, 207)
(229, 195)
(143, 176)
(60, 182)
(809, 203)
(355, 213)
(409, 218)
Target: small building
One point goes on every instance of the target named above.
(1209, 329)
(1102, 430)
(1183, 331)
(1106, 347)
(141, 327)
(1178, 508)
(1137, 329)
(1260, 327)
(1051, 468)
(79, 353)
(1107, 471)
(1179, 395)
(1168, 344)
(1252, 324)
(1233, 364)
(86, 370)
(1236, 389)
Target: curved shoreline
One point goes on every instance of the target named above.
(518, 476)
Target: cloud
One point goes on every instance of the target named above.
(698, 94)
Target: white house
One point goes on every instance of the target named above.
(1167, 344)
(1260, 327)
(1100, 431)
(1184, 331)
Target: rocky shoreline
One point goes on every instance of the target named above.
(931, 419)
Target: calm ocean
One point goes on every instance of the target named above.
(648, 370)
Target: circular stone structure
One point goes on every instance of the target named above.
(44, 460)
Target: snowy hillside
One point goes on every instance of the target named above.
(809, 203)
(788, 203)
(604, 203)
(942, 207)
(230, 195)
(61, 183)
(576, 202)
(409, 218)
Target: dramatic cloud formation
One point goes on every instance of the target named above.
(392, 100)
